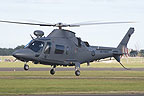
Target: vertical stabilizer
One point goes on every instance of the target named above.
(122, 47)
(124, 42)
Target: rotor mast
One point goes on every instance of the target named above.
(59, 25)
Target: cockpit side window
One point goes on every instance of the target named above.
(36, 46)
(47, 48)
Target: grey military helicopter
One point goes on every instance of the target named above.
(62, 48)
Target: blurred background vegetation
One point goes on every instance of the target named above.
(9, 51)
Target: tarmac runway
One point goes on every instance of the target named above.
(72, 69)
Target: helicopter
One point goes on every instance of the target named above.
(62, 48)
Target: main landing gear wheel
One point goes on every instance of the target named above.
(26, 67)
(77, 73)
(52, 71)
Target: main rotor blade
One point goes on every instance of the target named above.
(100, 23)
(60, 25)
(40, 24)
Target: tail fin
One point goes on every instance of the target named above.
(123, 45)
(124, 42)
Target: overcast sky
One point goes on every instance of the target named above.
(73, 11)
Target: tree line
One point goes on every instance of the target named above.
(9, 51)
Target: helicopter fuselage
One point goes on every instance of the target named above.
(61, 47)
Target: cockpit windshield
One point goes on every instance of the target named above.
(36, 46)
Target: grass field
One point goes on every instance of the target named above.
(92, 82)
(65, 82)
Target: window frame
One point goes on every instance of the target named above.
(59, 49)
(49, 49)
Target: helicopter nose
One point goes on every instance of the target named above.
(23, 54)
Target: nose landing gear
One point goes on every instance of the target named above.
(26, 67)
